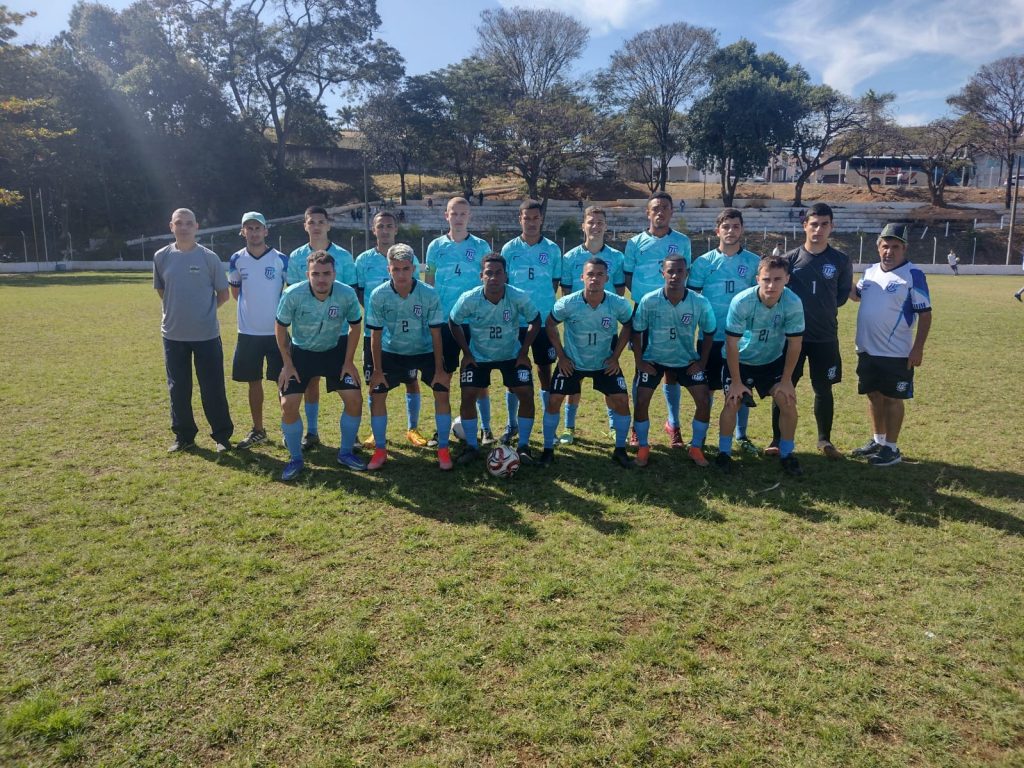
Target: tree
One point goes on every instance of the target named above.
(995, 96)
(941, 149)
(653, 75)
(393, 136)
(878, 135)
(627, 137)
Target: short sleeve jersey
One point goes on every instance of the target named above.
(719, 278)
(405, 323)
(344, 265)
(762, 330)
(889, 305)
(455, 266)
(190, 281)
(589, 330)
(573, 261)
(494, 327)
(534, 269)
(643, 257)
(823, 282)
(317, 326)
(371, 271)
(672, 328)
(260, 281)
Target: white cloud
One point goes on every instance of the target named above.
(601, 16)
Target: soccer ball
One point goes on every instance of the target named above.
(503, 461)
(458, 430)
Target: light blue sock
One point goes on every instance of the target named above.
(293, 438)
(786, 447)
(412, 409)
(672, 394)
(379, 425)
(349, 431)
(544, 396)
(483, 407)
(742, 417)
(643, 431)
(550, 422)
(443, 424)
(621, 429)
(725, 444)
(700, 432)
(525, 428)
(570, 415)
(469, 427)
(313, 417)
(512, 404)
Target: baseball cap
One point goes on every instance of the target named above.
(254, 216)
(899, 231)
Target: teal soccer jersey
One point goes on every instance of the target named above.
(719, 278)
(344, 265)
(316, 325)
(494, 327)
(534, 269)
(455, 266)
(573, 261)
(671, 328)
(589, 331)
(763, 330)
(643, 257)
(405, 323)
(371, 271)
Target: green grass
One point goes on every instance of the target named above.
(162, 610)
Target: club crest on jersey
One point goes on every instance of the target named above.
(269, 273)
(686, 319)
(741, 271)
(417, 310)
(828, 271)
(892, 288)
(333, 311)
(470, 254)
(506, 316)
(606, 322)
(776, 320)
(543, 257)
(672, 249)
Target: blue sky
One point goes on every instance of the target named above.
(923, 50)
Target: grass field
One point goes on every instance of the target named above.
(183, 610)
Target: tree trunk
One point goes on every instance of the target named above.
(663, 172)
(798, 189)
(1010, 180)
(401, 182)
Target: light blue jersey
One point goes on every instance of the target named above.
(589, 331)
(316, 325)
(719, 278)
(535, 269)
(344, 265)
(573, 261)
(643, 257)
(455, 266)
(672, 328)
(763, 330)
(405, 323)
(494, 327)
(371, 271)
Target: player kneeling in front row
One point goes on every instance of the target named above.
(764, 330)
(664, 328)
(491, 315)
(591, 318)
(324, 318)
(405, 318)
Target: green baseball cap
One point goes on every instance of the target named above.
(899, 231)
(253, 216)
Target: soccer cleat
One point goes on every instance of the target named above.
(380, 455)
(697, 455)
(311, 440)
(181, 445)
(351, 461)
(831, 452)
(1017, 296)
(675, 437)
(255, 437)
(468, 456)
(724, 463)
(222, 446)
(547, 458)
(486, 437)
(444, 459)
(568, 437)
(643, 456)
(870, 448)
(748, 447)
(292, 469)
(886, 457)
(772, 449)
(791, 466)
(415, 438)
(634, 439)
(432, 442)
(526, 457)
(620, 457)
(509, 435)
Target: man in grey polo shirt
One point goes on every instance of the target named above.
(192, 284)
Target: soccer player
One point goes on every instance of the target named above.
(485, 324)
(719, 275)
(317, 224)
(595, 225)
(534, 266)
(642, 267)
(405, 319)
(191, 283)
(256, 275)
(454, 262)
(892, 294)
(372, 270)
(592, 317)
(822, 277)
(323, 315)
(763, 329)
(664, 328)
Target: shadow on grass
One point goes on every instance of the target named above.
(43, 279)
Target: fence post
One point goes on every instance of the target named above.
(860, 258)
(974, 250)
(935, 248)
(947, 229)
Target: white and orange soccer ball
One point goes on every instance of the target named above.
(503, 461)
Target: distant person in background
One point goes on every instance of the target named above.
(192, 285)
(953, 261)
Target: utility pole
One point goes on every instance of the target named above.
(1014, 174)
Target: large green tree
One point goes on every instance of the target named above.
(393, 134)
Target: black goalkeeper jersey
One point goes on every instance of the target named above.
(823, 282)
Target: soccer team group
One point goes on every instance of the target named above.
(727, 321)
